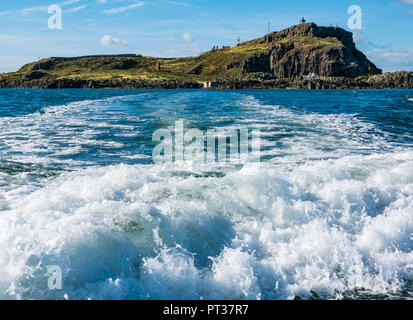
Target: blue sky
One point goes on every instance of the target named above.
(166, 28)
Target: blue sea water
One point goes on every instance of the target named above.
(327, 213)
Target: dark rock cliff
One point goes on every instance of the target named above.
(307, 48)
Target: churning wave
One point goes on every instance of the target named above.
(328, 213)
(141, 232)
(62, 134)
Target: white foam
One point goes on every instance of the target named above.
(65, 130)
(306, 136)
(326, 215)
(144, 232)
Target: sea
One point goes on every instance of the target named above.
(324, 211)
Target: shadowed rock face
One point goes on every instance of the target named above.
(307, 48)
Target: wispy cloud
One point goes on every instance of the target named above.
(377, 46)
(77, 8)
(183, 46)
(2, 13)
(44, 8)
(359, 36)
(124, 8)
(392, 59)
(66, 3)
(7, 37)
(405, 54)
(183, 49)
(409, 12)
(12, 39)
(180, 4)
(34, 9)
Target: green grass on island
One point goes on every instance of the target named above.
(218, 64)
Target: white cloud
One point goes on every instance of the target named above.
(392, 59)
(101, 1)
(2, 13)
(187, 37)
(112, 41)
(76, 9)
(406, 1)
(125, 8)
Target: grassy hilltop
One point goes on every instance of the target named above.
(290, 53)
(209, 65)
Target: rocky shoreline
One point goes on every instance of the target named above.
(97, 84)
(395, 80)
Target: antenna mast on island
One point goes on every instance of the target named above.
(269, 27)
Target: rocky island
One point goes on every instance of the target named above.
(304, 56)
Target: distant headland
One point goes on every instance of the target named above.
(305, 56)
